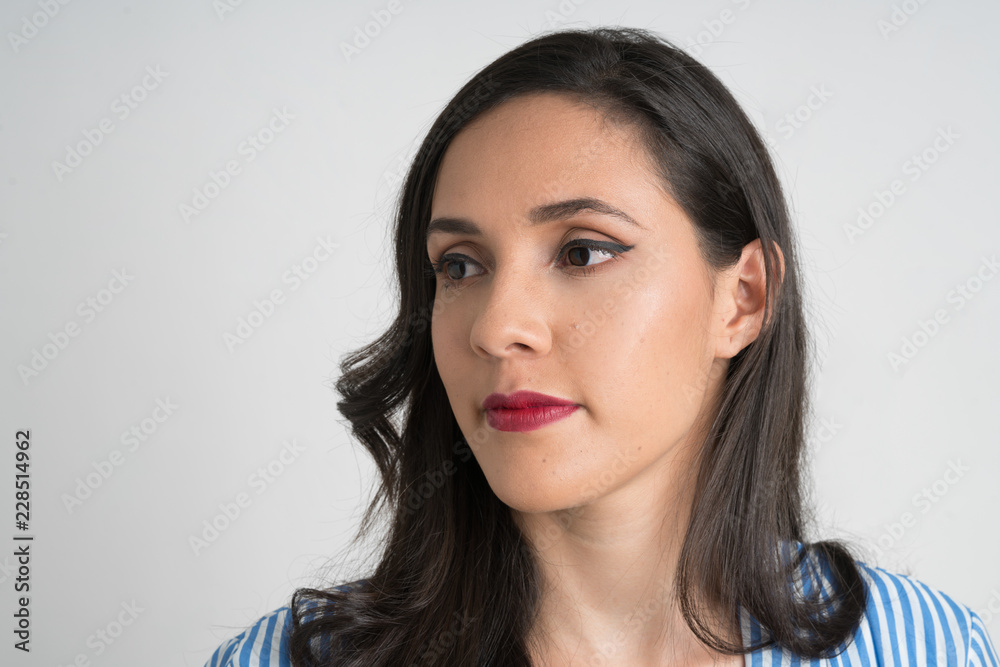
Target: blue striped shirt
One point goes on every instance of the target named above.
(906, 623)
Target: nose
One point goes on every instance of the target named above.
(514, 318)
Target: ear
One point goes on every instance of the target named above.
(739, 300)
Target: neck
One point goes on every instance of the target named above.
(607, 571)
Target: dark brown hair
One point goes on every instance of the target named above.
(456, 583)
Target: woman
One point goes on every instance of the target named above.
(588, 414)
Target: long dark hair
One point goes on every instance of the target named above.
(456, 582)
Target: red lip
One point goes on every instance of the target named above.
(525, 410)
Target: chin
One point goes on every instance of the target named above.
(528, 504)
(526, 493)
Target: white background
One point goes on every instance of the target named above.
(889, 432)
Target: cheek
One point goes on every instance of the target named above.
(646, 356)
(440, 345)
(450, 346)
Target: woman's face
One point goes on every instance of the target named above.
(628, 330)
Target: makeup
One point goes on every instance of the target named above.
(525, 410)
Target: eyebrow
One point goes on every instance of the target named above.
(537, 216)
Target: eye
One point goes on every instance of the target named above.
(583, 252)
(451, 264)
(577, 252)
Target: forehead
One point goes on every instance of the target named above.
(538, 148)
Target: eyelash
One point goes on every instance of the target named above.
(613, 249)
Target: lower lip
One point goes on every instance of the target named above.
(528, 419)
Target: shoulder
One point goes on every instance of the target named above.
(911, 623)
(263, 644)
(266, 642)
(906, 622)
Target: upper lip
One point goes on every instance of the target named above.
(520, 400)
